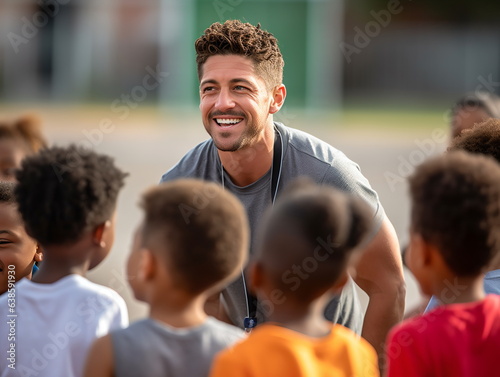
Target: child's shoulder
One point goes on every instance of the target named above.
(222, 333)
(217, 325)
(279, 336)
(282, 349)
(76, 288)
(422, 322)
(85, 285)
(211, 331)
(453, 316)
(492, 282)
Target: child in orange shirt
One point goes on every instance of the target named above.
(309, 241)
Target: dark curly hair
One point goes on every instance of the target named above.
(200, 229)
(456, 207)
(483, 138)
(63, 192)
(238, 38)
(318, 229)
(7, 192)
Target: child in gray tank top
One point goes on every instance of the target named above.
(192, 241)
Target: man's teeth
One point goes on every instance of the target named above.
(228, 121)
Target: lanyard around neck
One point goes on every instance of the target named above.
(251, 302)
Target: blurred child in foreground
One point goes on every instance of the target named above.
(319, 232)
(182, 253)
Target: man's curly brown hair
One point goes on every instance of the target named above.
(483, 138)
(234, 37)
(456, 207)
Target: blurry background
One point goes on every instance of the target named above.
(374, 78)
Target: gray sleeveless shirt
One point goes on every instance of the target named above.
(150, 348)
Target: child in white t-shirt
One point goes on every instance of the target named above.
(67, 198)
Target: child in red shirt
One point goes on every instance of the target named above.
(455, 235)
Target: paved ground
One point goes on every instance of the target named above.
(147, 143)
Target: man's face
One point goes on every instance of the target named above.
(235, 103)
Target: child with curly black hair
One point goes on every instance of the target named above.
(67, 199)
(454, 236)
(484, 139)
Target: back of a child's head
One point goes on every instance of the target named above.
(456, 207)
(64, 192)
(25, 130)
(483, 138)
(316, 229)
(199, 228)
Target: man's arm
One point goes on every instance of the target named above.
(380, 274)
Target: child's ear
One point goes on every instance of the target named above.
(99, 232)
(147, 265)
(38, 253)
(419, 254)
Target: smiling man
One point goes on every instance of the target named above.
(240, 68)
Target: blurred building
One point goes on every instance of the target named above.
(98, 50)
(90, 50)
(425, 50)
